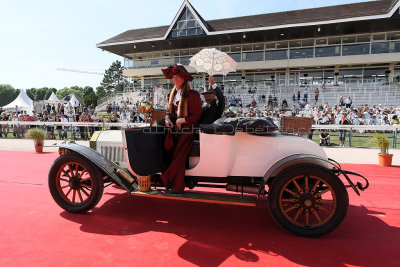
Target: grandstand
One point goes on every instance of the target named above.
(369, 93)
(352, 49)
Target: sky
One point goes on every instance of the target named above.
(38, 37)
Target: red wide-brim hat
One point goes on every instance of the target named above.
(177, 70)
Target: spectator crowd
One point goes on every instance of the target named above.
(123, 112)
(322, 113)
(261, 106)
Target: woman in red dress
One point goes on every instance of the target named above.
(184, 110)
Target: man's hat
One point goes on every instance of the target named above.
(207, 90)
(177, 69)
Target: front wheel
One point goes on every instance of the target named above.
(308, 200)
(75, 183)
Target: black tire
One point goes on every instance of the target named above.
(308, 200)
(86, 186)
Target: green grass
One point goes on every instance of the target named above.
(69, 135)
(357, 139)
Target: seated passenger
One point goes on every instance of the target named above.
(324, 138)
(215, 103)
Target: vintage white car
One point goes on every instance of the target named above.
(305, 191)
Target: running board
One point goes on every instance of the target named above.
(197, 196)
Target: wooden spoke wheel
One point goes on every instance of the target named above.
(75, 183)
(308, 201)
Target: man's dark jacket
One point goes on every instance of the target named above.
(213, 111)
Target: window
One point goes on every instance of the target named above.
(329, 51)
(350, 73)
(321, 41)
(276, 55)
(233, 77)
(394, 47)
(247, 47)
(194, 51)
(379, 37)
(393, 36)
(185, 60)
(294, 44)
(269, 45)
(154, 55)
(165, 62)
(334, 40)
(349, 39)
(186, 26)
(184, 52)
(128, 63)
(258, 47)
(235, 56)
(253, 56)
(309, 42)
(225, 49)
(328, 74)
(359, 49)
(302, 53)
(363, 38)
(140, 57)
(236, 48)
(174, 54)
(282, 44)
(379, 48)
(374, 72)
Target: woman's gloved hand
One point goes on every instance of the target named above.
(179, 122)
(168, 123)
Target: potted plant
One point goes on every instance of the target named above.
(37, 135)
(385, 159)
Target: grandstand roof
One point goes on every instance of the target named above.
(322, 15)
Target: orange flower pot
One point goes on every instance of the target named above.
(385, 160)
(39, 149)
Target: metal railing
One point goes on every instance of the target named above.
(73, 128)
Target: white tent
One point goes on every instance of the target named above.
(73, 99)
(22, 101)
(53, 98)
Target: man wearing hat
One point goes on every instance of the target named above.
(184, 111)
(215, 103)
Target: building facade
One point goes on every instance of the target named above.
(353, 43)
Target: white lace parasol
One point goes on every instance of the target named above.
(213, 61)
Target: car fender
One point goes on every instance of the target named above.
(293, 160)
(101, 162)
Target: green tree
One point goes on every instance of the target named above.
(31, 93)
(90, 99)
(87, 90)
(7, 94)
(37, 94)
(100, 92)
(113, 81)
(67, 91)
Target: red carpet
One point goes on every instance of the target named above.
(125, 230)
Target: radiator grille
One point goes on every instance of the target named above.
(113, 153)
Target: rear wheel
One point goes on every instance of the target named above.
(308, 200)
(75, 183)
